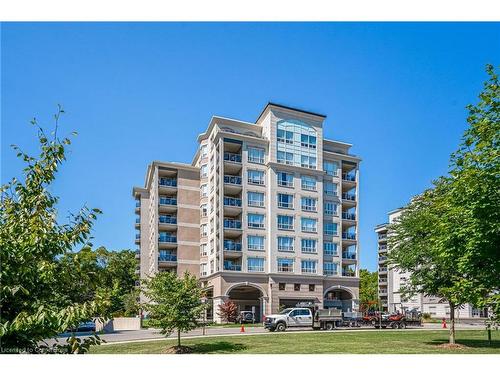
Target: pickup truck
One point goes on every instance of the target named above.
(303, 317)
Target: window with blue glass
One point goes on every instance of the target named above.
(255, 243)
(255, 264)
(330, 229)
(309, 225)
(255, 221)
(330, 248)
(285, 222)
(285, 243)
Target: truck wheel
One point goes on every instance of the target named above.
(329, 326)
(280, 327)
(402, 325)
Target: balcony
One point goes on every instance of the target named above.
(167, 185)
(138, 222)
(232, 184)
(230, 245)
(348, 273)
(230, 266)
(382, 292)
(382, 270)
(137, 238)
(382, 281)
(168, 204)
(137, 254)
(348, 256)
(349, 197)
(232, 227)
(167, 241)
(382, 237)
(382, 259)
(232, 162)
(348, 216)
(232, 206)
(167, 258)
(167, 222)
(382, 248)
(138, 270)
(138, 206)
(349, 236)
(349, 177)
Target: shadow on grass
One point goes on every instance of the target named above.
(217, 347)
(469, 343)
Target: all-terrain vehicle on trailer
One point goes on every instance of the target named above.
(411, 318)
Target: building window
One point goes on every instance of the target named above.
(330, 189)
(256, 155)
(330, 248)
(285, 243)
(255, 243)
(285, 157)
(330, 229)
(204, 190)
(308, 204)
(330, 167)
(308, 245)
(308, 161)
(255, 221)
(285, 179)
(281, 286)
(309, 225)
(330, 269)
(255, 199)
(308, 183)
(204, 230)
(204, 151)
(203, 269)
(330, 208)
(204, 171)
(204, 210)
(285, 200)
(308, 141)
(255, 264)
(312, 287)
(285, 222)
(284, 136)
(296, 287)
(255, 177)
(309, 266)
(203, 249)
(285, 265)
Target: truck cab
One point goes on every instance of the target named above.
(291, 317)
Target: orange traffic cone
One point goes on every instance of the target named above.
(242, 329)
(444, 323)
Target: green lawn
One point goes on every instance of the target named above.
(374, 342)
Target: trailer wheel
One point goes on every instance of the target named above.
(394, 325)
(280, 327)
(402, 325)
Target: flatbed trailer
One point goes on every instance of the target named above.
(394, 321)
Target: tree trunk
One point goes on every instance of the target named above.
(452, 323)
(178, 338)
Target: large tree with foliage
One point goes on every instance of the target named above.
(33, 300)
(448, 237)
(175, 303)
(368, 289)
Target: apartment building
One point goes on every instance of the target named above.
(390, 281)
(277, 215)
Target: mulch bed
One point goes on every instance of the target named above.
(452, 346)
(179, 350)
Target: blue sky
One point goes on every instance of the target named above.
(142, 92)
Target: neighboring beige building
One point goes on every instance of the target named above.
(390, 281)
(275, 210)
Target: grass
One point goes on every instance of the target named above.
(373, 342)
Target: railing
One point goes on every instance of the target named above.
(255, 159)
(348, 255)
(348, 216)
(348, 273)
(285, 226)
(309, 229)
(327, 232)
(232, 267)
(232, 245)
(137, 236)
(255, 225)
(330, 252)
(138, 252)
(382, 236)
(255, 181)
(349, 197)
(285, 248)
(137, 220)
(170, 182)
(309, 208)
(382, 280)
(382, 248)
(285, 205)
(382, 269)
(168, 219)
(348, 177)
(235, 202)
(167, 258)
(233, 180)
(255, 203)
(330, 272)
(348, 236)
(381, 259)
(255, 247)
(232, 224)
(138, 204)
(285, 183)
(168, 201)
(306, 186)
(167, 239)
(234, 158)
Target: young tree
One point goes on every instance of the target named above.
(33, 300)
(449, 236)
(175, 303)
(368, 289)
(228, 311)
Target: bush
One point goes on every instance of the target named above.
(426, 316)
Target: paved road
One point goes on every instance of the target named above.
(153, 334)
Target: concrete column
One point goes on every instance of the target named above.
(217, 301)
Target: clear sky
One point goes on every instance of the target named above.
(142, 92)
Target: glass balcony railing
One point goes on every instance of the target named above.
(348, 255)
(348, 236)
(348, 273)
(168, 201)
(349, 196)
(228, 266)
(229, 156)
(233, 180)
(382, 236)
(137, 220)
(348, 216)
(167, 239)
(348, 177)
(232, 245)
(382, 259)
(234, 202)
(232, 224)
(138, 204)
(137, 236)
(168, 220)
(167, 258)
(382, 269)
(168, 182)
